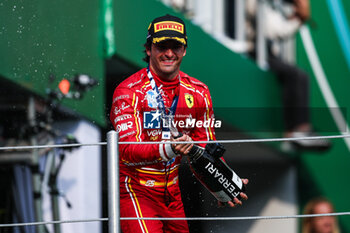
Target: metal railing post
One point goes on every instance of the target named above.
(113, 182)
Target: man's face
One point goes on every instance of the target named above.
(166, 57)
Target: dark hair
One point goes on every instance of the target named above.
(147, 45)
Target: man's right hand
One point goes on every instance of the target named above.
(182, 149)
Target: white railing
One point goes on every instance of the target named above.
(113, 182)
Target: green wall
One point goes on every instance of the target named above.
(63, 38)
(329, 171)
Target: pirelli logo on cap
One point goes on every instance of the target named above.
(169, 25)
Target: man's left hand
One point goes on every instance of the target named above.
(236, 201)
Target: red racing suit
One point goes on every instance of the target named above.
(149, 172)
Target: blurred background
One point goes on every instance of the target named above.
(61, 61)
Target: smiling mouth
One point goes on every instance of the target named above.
(168, 62)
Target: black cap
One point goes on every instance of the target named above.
(167, 27)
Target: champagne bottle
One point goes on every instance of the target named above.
(214, 173)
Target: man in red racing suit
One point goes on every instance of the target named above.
(149, 173)
(149, 184)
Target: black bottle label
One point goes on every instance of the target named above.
(215, 175)
(233, 184)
